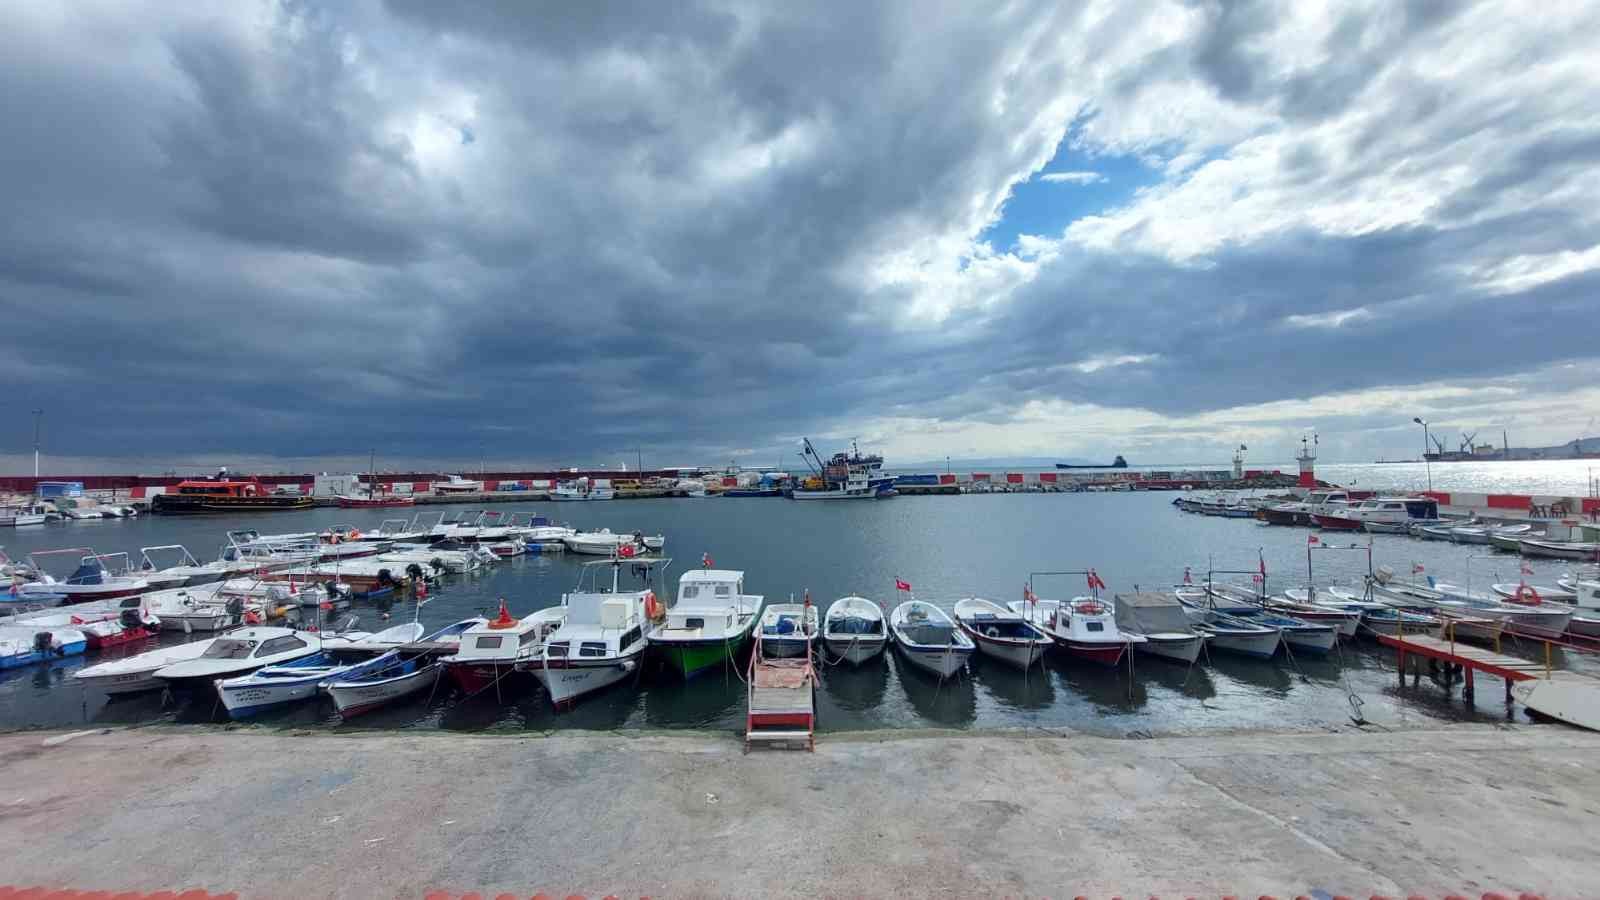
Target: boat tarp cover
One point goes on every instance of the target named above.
(1151, 613)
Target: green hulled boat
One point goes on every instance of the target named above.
(710, 623)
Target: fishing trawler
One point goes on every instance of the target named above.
(844, 476)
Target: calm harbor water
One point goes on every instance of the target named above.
(946, 547)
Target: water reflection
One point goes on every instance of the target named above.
(1014, 688)
(951, 703)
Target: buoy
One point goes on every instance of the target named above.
(504, 620)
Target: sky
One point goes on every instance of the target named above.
(291, 234)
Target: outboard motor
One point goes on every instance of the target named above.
(235, 606)
(332, 589)
(43, 642)
(131, 619)
(414, 572)
(385, 579)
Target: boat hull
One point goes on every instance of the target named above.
(566, 683)
(940, 661)
(193, 504)
(480, 677)
(1018, 653)
(1319, 641)
(1102, 653)
(19, 660)
(855, 649)
(352, 699)
(118, 638)
(1258, 646)
(1180, 648)
(690, 658)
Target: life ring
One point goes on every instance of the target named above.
(355, 534)
(992, 631)
(249, 490)
(652, 607)
(252, 618)
(1527, 596)
(1089, 608)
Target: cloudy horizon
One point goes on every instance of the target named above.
(276, 234)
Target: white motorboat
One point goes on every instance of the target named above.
(604, 543)
(853, 629)
(1579, 550)
(133, 674)
(239, 651)
(455, 484)
(1001, 633)
(280, 684)
(172, 565)
(210, 607)
(1459, 618)
(928, 638)
(25, 514)
(788, 629)
(603, 635)
(491, 656)
(709, 623)
(1440, 532)
(1085, 627)
(1533, 592)
(1393, 512)
(89, 579)
(1160, 620)
(1539, 620)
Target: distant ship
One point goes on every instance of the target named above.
(1118, 463)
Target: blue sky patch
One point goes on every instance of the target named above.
(1045, 206)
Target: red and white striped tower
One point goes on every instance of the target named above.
(1307, 459)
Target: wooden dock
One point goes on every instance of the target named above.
(1467, 660)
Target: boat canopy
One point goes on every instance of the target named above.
(1148, 612)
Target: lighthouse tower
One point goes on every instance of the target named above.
(1238, 463)
(1307, 459)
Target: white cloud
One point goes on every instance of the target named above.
(1336, 319)
(1096, 363)
(1072, 177)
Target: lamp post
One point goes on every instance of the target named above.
(1425, 437)
(37, 415)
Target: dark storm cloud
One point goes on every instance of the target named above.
(554, 232)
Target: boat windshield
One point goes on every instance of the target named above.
(229, 648)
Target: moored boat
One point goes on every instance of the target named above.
(1160, 620)
(240, 651)
(853, 629)
(278, 685)
(927, 638)
(409, 672)
(24, 645)
(710, 622)
(133, 674)
(603, 635)
(224, 495)
(89, 580)
(789, 629)
(1001, 633)
(493, 656)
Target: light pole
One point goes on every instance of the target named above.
(37, 415)
(1425, 461)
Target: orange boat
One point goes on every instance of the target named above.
(206, 495)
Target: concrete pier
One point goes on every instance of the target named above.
(1462, 809)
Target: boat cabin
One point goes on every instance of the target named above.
(495, 640)
(220, 488)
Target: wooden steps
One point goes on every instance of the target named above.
(782, 701)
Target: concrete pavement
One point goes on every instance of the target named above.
(274, 814)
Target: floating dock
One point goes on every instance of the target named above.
(1459, 657)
